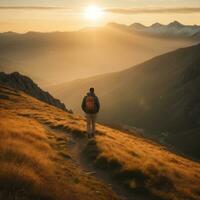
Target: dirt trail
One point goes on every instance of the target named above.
(76, 148)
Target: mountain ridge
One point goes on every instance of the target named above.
(25, 84)
(102, 49)
(174, 29)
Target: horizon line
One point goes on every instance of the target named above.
(76, 30)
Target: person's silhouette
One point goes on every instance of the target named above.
(91, 106)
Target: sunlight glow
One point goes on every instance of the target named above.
(93, 12)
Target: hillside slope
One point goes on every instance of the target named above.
(161, 96)
(37, 161)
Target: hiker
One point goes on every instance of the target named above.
(91, 106)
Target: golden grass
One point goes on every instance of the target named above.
(33, 162)
(144, 166)
(139, 164)
(26, 169)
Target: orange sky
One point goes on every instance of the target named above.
(64, 15)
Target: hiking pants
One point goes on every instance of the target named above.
(91, 119)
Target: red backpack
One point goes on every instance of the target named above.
(90, 103)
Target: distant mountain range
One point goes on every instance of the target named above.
(173, 29)
(160, 96)
(58, 57)
(25, 84)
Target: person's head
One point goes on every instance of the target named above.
(92, 90)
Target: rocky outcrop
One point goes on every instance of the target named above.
(25, 84)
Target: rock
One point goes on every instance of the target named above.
(25, 84)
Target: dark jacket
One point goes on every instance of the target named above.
(96, 101)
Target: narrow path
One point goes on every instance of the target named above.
(76, 148)
(77, 151)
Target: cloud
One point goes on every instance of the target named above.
(31, 8)
(125, 11)
(131, 11)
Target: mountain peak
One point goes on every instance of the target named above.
(137, 25)
(156, 25)
(175, 24)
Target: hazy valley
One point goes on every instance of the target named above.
(57, 57)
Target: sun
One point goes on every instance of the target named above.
(93, 12)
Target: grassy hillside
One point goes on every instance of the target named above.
(99, 50)
(34, 161)
(160, 96)
(37, 161)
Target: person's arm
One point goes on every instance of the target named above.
(83, 104)
(97, 104)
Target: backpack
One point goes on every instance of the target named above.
(90, 103)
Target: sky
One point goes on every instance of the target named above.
(69, 15)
